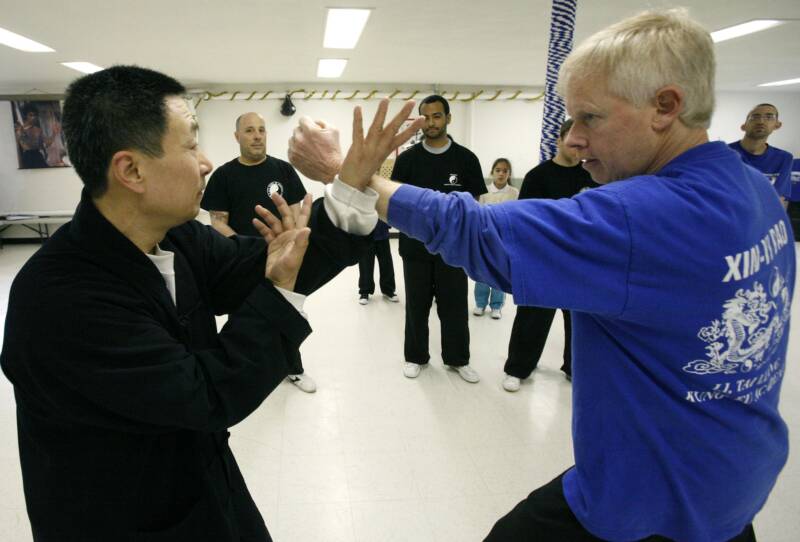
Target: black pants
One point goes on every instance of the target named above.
(528, 337)
(366, 269)
(545, 516)
(794, 216)
(424, 279)
(295, 362)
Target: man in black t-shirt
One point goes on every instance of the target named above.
(236, 187)
(441, 164)
(561, 177)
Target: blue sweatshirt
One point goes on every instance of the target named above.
(775, 163)
(681, 289)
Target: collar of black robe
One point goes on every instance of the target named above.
(115, 252)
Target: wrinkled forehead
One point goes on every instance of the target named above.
(584, 92)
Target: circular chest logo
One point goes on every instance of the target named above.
(274, 188)
(453, 178)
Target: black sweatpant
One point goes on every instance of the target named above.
(425, 278)
(366, 269)
(528, 337)
(295, 362)
(545, 516)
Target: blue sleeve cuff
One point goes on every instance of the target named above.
(403, 205)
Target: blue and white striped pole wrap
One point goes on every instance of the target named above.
(562, 26)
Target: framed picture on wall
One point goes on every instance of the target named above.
(37, 130)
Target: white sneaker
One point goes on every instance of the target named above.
(468, 373)
(304, 382)
(478, 311)
(511, 383)
(411, 370)
(496, 314)
(393, 298)
(363, 300)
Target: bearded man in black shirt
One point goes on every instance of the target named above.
(441, 164)
(250, 179)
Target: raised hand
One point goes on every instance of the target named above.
(314, 147)
(367, 154)
(287, 240)
(314, 150)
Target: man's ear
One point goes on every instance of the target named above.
(449, 118)
(669, 104)
(125, 171)
(742, 127)
(778, 124)
(236, 136)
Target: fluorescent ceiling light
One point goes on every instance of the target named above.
(739, 30)
(22, 43)
(781, 83)
(331, 67)
(344, 27)
(83, 67)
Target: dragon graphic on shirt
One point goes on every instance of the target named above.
(752, 324)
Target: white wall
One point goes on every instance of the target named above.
(490, 129)
(733, 107)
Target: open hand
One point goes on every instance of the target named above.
(367, 154)
(287, 240)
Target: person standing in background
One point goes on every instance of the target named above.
(773, 162)
(366, 267)
(236, 187)
(439, 163)
(499, 191)
(560, 177)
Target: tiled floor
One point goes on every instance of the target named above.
(375, 457)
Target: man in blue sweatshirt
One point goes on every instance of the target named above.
(680, 272)
(773, 162)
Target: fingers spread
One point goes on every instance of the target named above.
(401, 117)
(272, 221)
(377, 122)
(263, 230)
(287, 217)
(410, 130)
(358, 127)
(305, 212)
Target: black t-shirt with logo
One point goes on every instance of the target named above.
(236, 189)
(455, 170)
(549, 180)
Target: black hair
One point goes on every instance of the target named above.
(432, 99)
(122, 107)
(29, 108)
(506, 160)
(565, 126)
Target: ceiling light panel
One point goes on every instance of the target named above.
(739, 30)
(22, 43)
(331, 67)
(344, 27)
(83, 67)
(781, 83)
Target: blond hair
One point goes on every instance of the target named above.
(644, 53)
